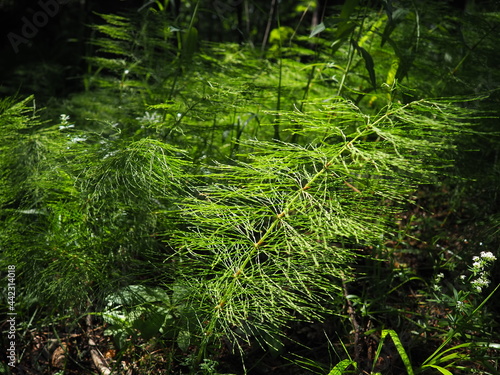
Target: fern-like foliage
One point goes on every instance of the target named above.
(67, 197)
(273, 239)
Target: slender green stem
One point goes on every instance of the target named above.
(278, 104)
(346, 71)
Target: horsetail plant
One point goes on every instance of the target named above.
(272, 238)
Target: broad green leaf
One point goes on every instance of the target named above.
(345, 26)
(317, 29)
(137, 294)
(348, 8)
(388, 8)
(394, 19)
(391, 74)
(344, 30)
(151, 321)
(280, 34)
(183, 340)
(120, 339)
(369, 64)
(190, 44)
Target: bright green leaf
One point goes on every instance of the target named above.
(442, 370)
(183, 340)
(400, 348)
(317, 29)
(341, 366)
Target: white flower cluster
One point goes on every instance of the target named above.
(64, 118)
(488, 256)
(65, 122)
(150, 118)
(478, 269)
(437, 280)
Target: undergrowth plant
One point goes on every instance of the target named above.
(448, 358)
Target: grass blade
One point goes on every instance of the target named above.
(442, 370)
(341, 366)
(400, 348)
